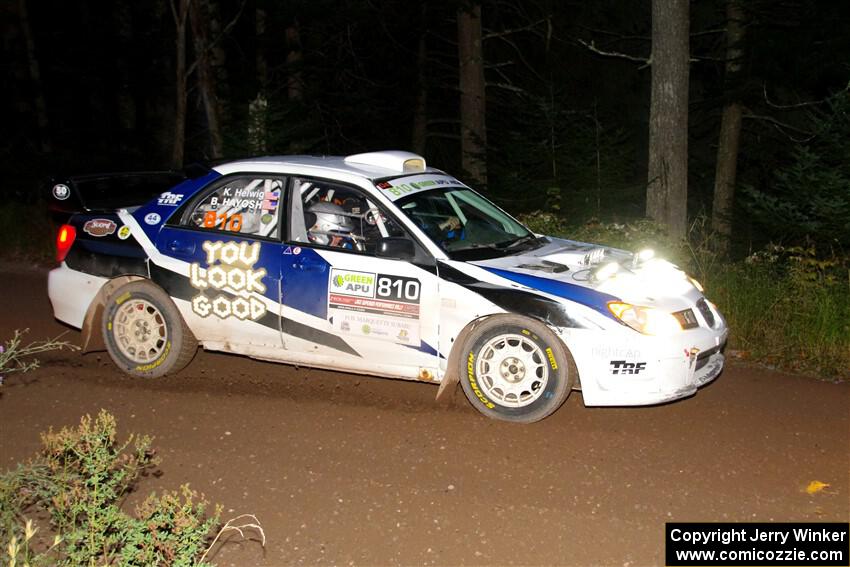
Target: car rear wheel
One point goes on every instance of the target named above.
(515, 369)
(144, 332)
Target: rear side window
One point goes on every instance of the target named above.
(246, 205)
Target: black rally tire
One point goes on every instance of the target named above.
(169, 344)
(482, 357)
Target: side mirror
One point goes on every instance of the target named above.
(396, 247)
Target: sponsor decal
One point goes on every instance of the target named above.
(613, 352)
(360, 284)
(152, 218)
(169, 199)
(230, 268)
(397, 188)
(100, 227)
(375, 305)
(470, 374)
(623, 367)
(157, 362)
(551, 356)
(528, 333)
(61, 191)
(124, 232)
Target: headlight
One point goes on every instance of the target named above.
(645, 320)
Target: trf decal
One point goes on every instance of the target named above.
(623, 367)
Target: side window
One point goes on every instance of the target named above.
(248, 206)
(338, 216)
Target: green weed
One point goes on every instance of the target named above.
(787, 308)
(79, 481)
(16, 357)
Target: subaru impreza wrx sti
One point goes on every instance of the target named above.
(374, 264)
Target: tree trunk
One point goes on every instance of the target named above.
(473, 130)
(258, 108)
(294, 81)
(260, 55)
(730, 129)
(667, 183)
(35, 79)
(179, 12)
(206, 76)
(218, 57)
(126, 102)
(419, 137)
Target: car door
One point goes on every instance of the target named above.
(345, 305)
(222, 263)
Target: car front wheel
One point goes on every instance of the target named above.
(515, 369)
(144, 332)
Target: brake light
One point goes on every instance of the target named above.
(64, 240)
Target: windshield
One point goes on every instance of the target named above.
(465, 224)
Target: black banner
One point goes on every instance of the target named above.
(763, 544)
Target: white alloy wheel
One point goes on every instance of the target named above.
(144, 333)
(140, 331)
(512, 370)
(515, 368)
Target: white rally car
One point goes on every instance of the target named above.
(374, 264)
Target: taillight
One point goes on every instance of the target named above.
(64, 240)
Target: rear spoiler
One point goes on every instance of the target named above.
(106, 192)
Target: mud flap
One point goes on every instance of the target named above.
(452, 378)
(92, 338)
(447, 386)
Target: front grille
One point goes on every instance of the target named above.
(705, 310)
(686, 319)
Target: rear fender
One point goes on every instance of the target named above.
(92, 338)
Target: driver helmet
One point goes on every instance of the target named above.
(331, 223)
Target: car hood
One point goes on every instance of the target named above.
(568, 269)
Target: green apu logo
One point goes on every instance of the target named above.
(354, 283)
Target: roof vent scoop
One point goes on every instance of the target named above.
(402, 162)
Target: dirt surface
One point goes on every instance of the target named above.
(352, 470)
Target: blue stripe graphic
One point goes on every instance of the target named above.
(596, 300)
(305, 282)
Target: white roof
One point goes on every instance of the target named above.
(373, 165)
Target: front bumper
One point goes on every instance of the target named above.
(628, 369)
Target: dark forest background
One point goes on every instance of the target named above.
(94, 85)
